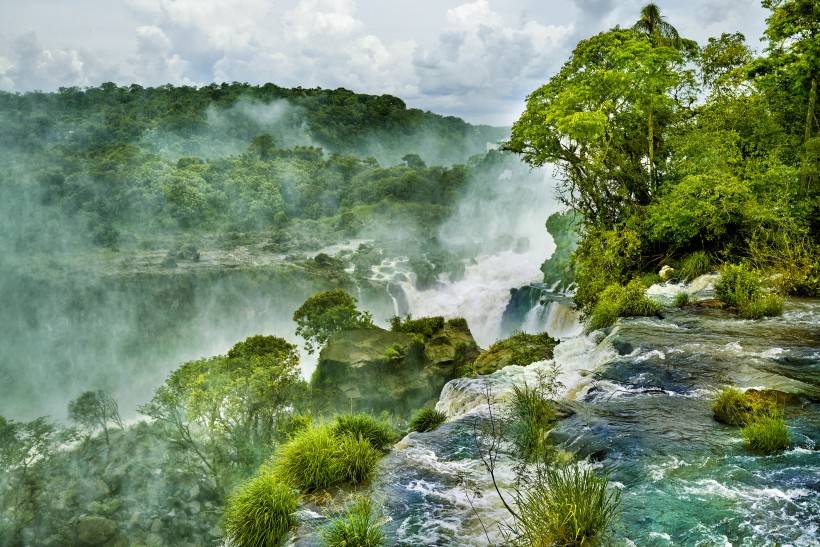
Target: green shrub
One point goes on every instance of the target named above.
(737, 285)
(524, 348)
(767, 434)
(355, 459)
(377, 432)
(649, 279)
(617, 301)
(533, 415)
(260, 512)
(458, 323)
(307, 462)
(681, 299)
(736, 407)
(426, 326)
(427, 419)
(694, 265)
(769, 305)
(394, 353)
(357, 526)
(566, 506)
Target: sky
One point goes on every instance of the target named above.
(477, 60)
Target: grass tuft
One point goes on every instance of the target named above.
(619, 301)
(427, 419)
(681, 299)
(357, 526)
(307, 462)
(260, 512)
(355, 459)
(533, 415)
(377, 432)
(767, 434)
(694, 266)
(769, 305)
(565, 507)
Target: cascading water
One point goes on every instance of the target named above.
(642, 398)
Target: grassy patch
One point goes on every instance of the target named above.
(427, 419)
(377, 432)
(355, 459)
(533, 415)
(681, 299)
(767, 434)
(425, 326)
(694, 265)
(619, 301)
(260, 512)
(738, 285)
(735, 407)
(307, 462)
(357, 526)
(566, 506)
(769, 305)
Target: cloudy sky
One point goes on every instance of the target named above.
(474, 59)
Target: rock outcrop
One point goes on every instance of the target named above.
(373, 370)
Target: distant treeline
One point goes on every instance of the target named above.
(231, 157)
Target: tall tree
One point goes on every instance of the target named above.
(590, 120)
(794, 43)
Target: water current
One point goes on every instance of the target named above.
(641, 393)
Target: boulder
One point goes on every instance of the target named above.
(519, 349)
(95, 530)
(667, 272)
(371, 370)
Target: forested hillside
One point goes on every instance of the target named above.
(676, 154)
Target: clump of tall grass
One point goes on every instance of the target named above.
(315, 458)
(260, 512)
(736, 407)
(357, 526)
(681, 299)
(767, 434)
(427, 419)
(694, 266)
(740, 287)
(566, 506)
(533, 415)
(769, 305)
(619, 301)
(377, 432)
(355, 459)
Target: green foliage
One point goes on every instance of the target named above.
(601, 120)
(525, 348)
(533, 416)
(427, 419)
(425, 326)
(681, 299)
(738, 285)
(649, 279)
(458, 323)
(221, 414)
(358, 525)
(377, 432)
(767, 434)
(742, 408)
(604, 257)
(694, 265)
(568, 506)
(94, 410)
(315, 459)
(325, 313)
(768, 305)
(395, 352)
(355, 459)
(618, 301)
(260, 512)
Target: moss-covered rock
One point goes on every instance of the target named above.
(519, 349)
(373, 370)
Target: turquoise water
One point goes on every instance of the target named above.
(643, 414)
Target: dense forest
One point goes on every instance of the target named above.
(686, 155)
